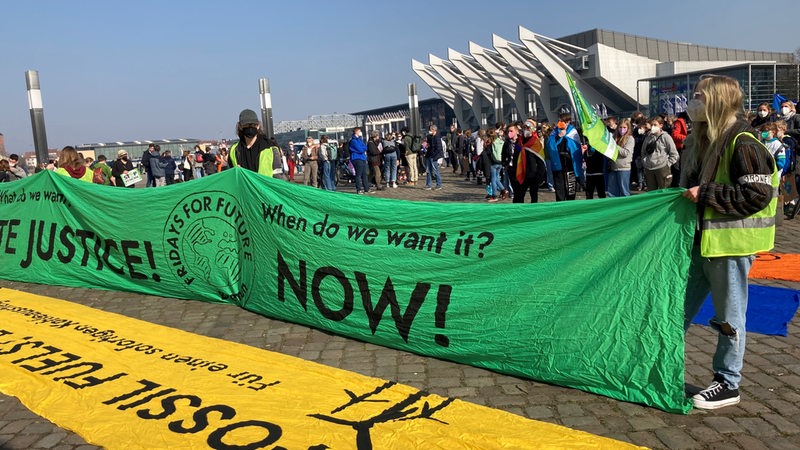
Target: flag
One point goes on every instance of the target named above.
(777, 99)
(521, 167)
(593, 128)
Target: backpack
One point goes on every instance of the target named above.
(333, 151)
(198, 157)
(99, 177)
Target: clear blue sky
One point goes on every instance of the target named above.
(113, 70)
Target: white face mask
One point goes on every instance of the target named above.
(785, 110)
(763, 113)
(696, 110)
(527, 133)
(654, 129)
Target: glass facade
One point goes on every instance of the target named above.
(759, 82)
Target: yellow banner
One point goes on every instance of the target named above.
(122, 383)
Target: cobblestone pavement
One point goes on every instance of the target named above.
(767, 418)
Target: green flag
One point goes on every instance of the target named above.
(581, 294)
(593, 128)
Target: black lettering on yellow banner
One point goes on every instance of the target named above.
(135, 385)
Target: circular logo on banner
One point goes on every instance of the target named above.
(207, 242)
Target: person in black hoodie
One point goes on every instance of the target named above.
(595, 170)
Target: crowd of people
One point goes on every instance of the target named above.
(730, 164)
(510, 161)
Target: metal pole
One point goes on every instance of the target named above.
(37, 115)
(413, 107)
(266, 107)
(498, 104)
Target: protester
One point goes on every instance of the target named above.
(325, 157)
(527, 166)
(495, 148)
(101, 171)
(5, 171)
(157, 166)
(595, 170)
(310, 158)
(769, 137)
(680, 130)
(169, 167)
(412, 149)
(563, 150)
(290, 160)
(198, 162)
(122, 166)
(619, 173)
(71, 164)
(358, 156)
(146, 165)
(187, 165)
(789, 115)
(658, 155)
(764, 114)
(375, 160)
(389, 160)
(731, 177)
(17, 171)
(432, 156)
(252, 151)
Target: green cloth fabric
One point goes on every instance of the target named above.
(585, 294)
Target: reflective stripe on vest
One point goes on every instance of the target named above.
(724, 235)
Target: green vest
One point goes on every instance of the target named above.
(264, 160)
(724, 235)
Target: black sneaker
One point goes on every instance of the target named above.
(716, 396)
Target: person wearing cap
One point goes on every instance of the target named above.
(253, 150)
(122, 165)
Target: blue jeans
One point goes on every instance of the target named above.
(497, 183)
(432, 171)
(390, 168)
(619, 183)
(726, 278)
(362, 180)
(198, 172)
(549, 167)
(327, 176)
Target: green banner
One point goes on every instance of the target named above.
(584, 294)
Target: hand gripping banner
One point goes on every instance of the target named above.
(581, 294)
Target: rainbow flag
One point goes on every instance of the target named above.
(593, 128)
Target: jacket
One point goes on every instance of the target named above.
(358, 149)
(658, 151)
(625, 155)
(434, 147)
(570, 144)
(157, 166)
(679, 132)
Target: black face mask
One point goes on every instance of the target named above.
(249, 132)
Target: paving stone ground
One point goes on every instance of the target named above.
(767, 418)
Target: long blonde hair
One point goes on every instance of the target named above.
(621, 139)
(723, 103)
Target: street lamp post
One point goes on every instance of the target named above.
(498, 104)
(37, 115)
(266, 106)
